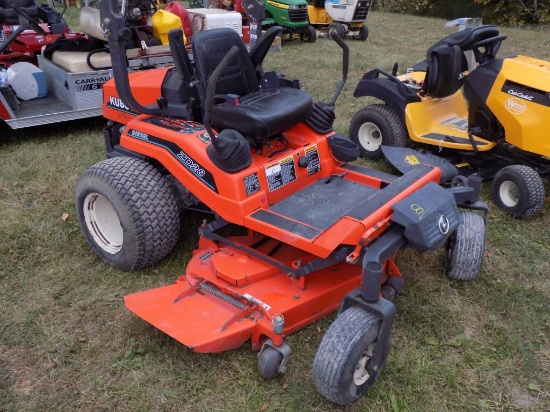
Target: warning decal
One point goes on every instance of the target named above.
(281, 173)
(314, 164)
(251, 184)
(456, 123)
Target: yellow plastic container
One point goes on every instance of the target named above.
(164, 21)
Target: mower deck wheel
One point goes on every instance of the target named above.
(340, 29)
(127, 212)
(465, 248)
(269, 361)
(519, 191)
(376, 125)
(340, 367)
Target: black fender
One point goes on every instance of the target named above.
(387, 88)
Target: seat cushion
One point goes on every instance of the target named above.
(263, 113)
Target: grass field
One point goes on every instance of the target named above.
(68, 343)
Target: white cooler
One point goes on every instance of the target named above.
(208, 19)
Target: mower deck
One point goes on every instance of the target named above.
(215, 308)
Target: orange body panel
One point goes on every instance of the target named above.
(143, 82)
(181, 147)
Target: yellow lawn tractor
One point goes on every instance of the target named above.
(347, 17)
(491, 120)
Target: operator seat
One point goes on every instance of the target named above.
(446, 63)
(444, 74)
(240, 103)
(8, 15)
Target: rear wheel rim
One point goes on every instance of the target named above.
(509, 193)
(360, 374)
(370, 136)
(103, 223)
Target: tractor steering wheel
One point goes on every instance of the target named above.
(26, 21)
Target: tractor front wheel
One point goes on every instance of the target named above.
(340, 367)
(363, 33)
(340, 29)
(465, 248)
(127, 212)
(519, 191)
(310, 36)
(376, 125)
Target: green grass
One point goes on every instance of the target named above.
(68, 343)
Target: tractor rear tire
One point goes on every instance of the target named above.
(376, 125)
(465, 248)
(519, 191)
(340, 364)
(340, 29)
(127, 212)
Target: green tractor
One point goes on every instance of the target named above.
(291, 15)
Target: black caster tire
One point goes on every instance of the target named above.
(465, 248)
(269, 361)
(340, 364)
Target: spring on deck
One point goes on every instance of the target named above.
(222, 296)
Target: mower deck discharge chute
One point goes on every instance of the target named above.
(320, 233)
(488, 119)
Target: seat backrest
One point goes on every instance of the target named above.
(444, 74)
(210, 47)
(466, 38)
(7, 14)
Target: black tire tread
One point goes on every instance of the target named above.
(147, 198)
(467, 255)
(529, 181)
(335, 348)
(387, 118)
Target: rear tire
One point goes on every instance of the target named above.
(127, 212)
(340, 364)
(519, 191)
(376, 125)
(465, 248)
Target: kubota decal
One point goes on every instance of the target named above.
(116, 103)
(187, 161)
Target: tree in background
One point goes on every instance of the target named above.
(518, 12)
(503, 12)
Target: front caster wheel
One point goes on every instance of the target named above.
(376, 125)
(341, 364)
(127, 212)
(465, 248)
(519, 191)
